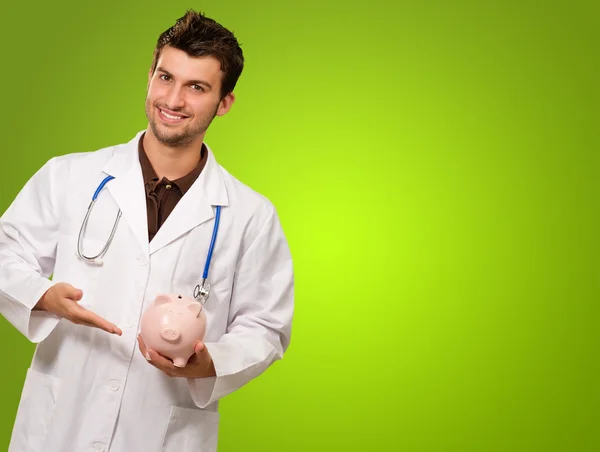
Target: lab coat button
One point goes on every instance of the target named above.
(142, 260)
(114, 385)
(128, 325)
(99, 447)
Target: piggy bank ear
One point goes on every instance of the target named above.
(162, 299)
(195, 307)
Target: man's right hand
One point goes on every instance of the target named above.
(61, 300)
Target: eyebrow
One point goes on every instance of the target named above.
(193, 82)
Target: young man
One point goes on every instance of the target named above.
(163, 205)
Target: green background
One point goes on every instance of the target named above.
(435, 166)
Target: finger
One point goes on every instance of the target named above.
(72, 292)
(199, 348)
(144, 351)
(75, 295)
(142, 347)
(93, 319)
(163, 363)
(141, 343)
(116, 330)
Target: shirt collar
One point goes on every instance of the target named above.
(183, 183)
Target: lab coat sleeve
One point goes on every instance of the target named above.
(261, 312)
(28, 237)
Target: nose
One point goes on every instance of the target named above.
(170, 334)
(175, 98)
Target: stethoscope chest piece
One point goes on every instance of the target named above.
(202, 291)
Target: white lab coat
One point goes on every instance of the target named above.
(88, 390)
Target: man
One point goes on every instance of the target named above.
(93, 384)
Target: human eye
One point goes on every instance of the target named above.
(164, 77)
(197, 88)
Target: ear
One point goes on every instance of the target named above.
(225, 104)
(162, 299)
(195, 307)
(150, 74)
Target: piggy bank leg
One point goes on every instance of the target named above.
(180, 362)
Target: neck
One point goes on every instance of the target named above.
(169, 162)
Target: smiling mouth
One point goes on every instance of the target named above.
(171, 117)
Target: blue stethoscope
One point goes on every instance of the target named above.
(201, 291)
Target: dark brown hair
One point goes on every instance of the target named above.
(198, 35)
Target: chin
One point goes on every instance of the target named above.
(174, 140)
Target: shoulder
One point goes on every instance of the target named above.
(254, 216)
(80, 165)
(76, 161)
(71, 168)
(245, 200)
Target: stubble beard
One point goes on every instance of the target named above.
(177, 139)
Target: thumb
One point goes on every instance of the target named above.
(73, 293)
(199, 348)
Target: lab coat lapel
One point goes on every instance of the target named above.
(127, 188)
(195, 207)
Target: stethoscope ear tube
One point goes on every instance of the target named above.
(201, 291)
(96, 259)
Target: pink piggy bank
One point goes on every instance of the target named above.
(172, 326)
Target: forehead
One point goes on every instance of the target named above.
(185, 67)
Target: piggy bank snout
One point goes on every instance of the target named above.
(170, 334)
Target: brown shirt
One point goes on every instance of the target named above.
(162, 196)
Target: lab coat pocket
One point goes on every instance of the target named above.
(72, 269)
(191, 430)
(35, 411)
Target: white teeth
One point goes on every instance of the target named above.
(170, 116)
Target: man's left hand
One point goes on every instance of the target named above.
(200, 364)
